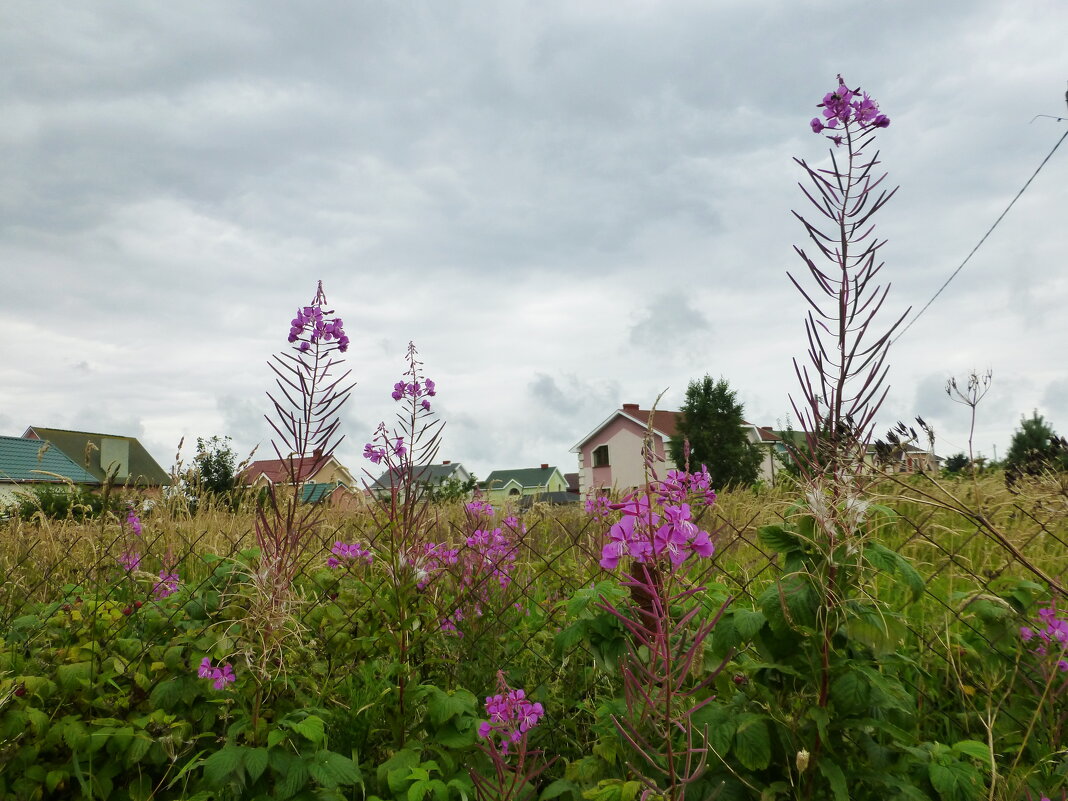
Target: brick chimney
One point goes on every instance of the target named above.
(545, 467)
(446, 461)
(630, 407)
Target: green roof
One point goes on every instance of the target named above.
(87, 449)
(314, 493)
(24, 460)
(525, 476)
(426, 474)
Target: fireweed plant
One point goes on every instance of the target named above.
(512, 717)
(664, 683)
(403, 515)
(821, 618)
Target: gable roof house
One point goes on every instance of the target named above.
(427, 475)
(102, 455)
(26, 463)
(314, 469)
(610, 456)
(500, 485)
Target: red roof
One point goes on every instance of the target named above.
(664, 421)
(278, 471)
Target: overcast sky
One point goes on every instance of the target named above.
(566, 205)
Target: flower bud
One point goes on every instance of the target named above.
(802, 760)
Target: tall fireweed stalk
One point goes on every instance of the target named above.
(828, 544)
(404, 453)
(667, 624)
(311, 390)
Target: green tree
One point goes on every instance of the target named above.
(712, 422)
(1035, 446)
(956, 462)
(216, 465)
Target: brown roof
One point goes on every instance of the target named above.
(766, 434)
(662, 420)
(277, 471)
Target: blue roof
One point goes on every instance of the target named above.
(24, 460)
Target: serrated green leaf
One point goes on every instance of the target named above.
(559, 788)
(294, 780)
(850, 692)
(166, 694)
(223, 766)
(748, 622)
(53, 779)
(311, 728)
(76, 676)
(255, 762)
(955, 781)
(752, 741)
(720, 724)
(275, 737)
(779, 538)
(832, 772)
(139, 746)
(974, 749)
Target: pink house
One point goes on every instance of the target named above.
(610, 456)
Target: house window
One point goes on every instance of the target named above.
(600, 456)
(513, 491)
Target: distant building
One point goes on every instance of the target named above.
(503, 485)
(610, 457)
(432, 475)
(28, 463)
(313, 469)
(122, 459)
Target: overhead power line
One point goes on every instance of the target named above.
(981, 241)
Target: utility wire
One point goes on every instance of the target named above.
(981, 241)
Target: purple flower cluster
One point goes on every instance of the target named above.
(134, 522)
(345, 554)
(844, 105)
(480, 508)
(130, 560)
(166, 586)
(415, 390)
(314, 320)
(648, 534)
(683, 487)
(599, 507)
(511, 717)
(1051, 635)
(389, 445)
(220, 676)
(490, 554)
(430, 557)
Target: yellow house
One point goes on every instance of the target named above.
(503, 485)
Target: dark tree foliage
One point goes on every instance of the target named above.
(216, 465)
(712, 422)
(1035, 448)
(451, 489)
(956, 463)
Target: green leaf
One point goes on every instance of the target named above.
(850, 692)
(778, 538)
(748, 622)
(974, 749)
(752, 741)
(53, 779)
(955, 781)
(138, 748)
(255, 762)
(223, 766)
(417, 790)
(294, 781)
(444, 706)
(344, 770)
(275, 737)
(311, 728)
(76, 676)
(832, 772)
(166, 694)
(173, 658)
(887, 560)
(719, 723)
(559, 788)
